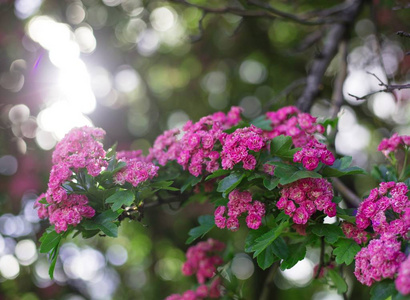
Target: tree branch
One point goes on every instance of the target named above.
(347, 194)
(320, 64)
(268, 281)
(337, 95)
(228, 9)
(388, 88)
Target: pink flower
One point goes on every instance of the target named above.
(403, 279)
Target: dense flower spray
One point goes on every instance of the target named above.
(302, 198)
(240, 203)
(202, 260)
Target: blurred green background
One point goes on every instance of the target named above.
(136, 68)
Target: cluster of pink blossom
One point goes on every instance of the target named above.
(69, 212)
(313, 153)
(352, 232)
(79, 149)
(403, 278)
(380, 259)
(202, 260)
(194, 150)
(239, 203)
(291, 122)
(375, 209)
(302, 198)
(393, 143)
(236, 146)
(137, 169)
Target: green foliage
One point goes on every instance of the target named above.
(331, 232)
(206, 223)
(266, 239)
(341, 168)
(121, 198)
(297, 252)
(382, 290)
(230, 182)
(281, 147)
(106, 222)
(267, 257)
(345, 251)
(49, 240)
(262, 122)
(338, 281)
(291, 173)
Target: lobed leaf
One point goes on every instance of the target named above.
(121, 198)
(297, 252)
(338, 281)
(206, 223)
(345, 251)
(230, 182)
(331, 232)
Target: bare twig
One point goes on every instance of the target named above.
(403, 34)
(337, 95)
(388, 88)
(347, 194)
(269, 281)
(322, 257)
(320, 64)
(198, 37)
(228, 9)
(288, 16)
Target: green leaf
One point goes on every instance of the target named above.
(230, 182)
(265, 240)
(191, 181)
(297, 252)
(399, 296)
(218, 173)
(121, 198)
(382, 290)
(266, 258)
(345, 251)
(345, 214)
(262, 122)
(341, 168)
(104, 222)
(252, 236)
(330, 122)
(54, 257)
(280, 248)
(338, 281)
(206, 223)
(43, 201)
(331, 232)
(281, 147)
(112, 151)
(290, 174)
(271, 183)
(164, 185)
(49, 240)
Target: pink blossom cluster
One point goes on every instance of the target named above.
(291, 122)
(352, 232)
(203, 291)
(393, 143)
(239, 203)
(69, 212)
(312, 154)
(202, 260)
(302, 198)
(377, 208)
(403, 278)
(380, 259)
(79, 149)
(236, 147)
(195, 149)
(137, 169)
